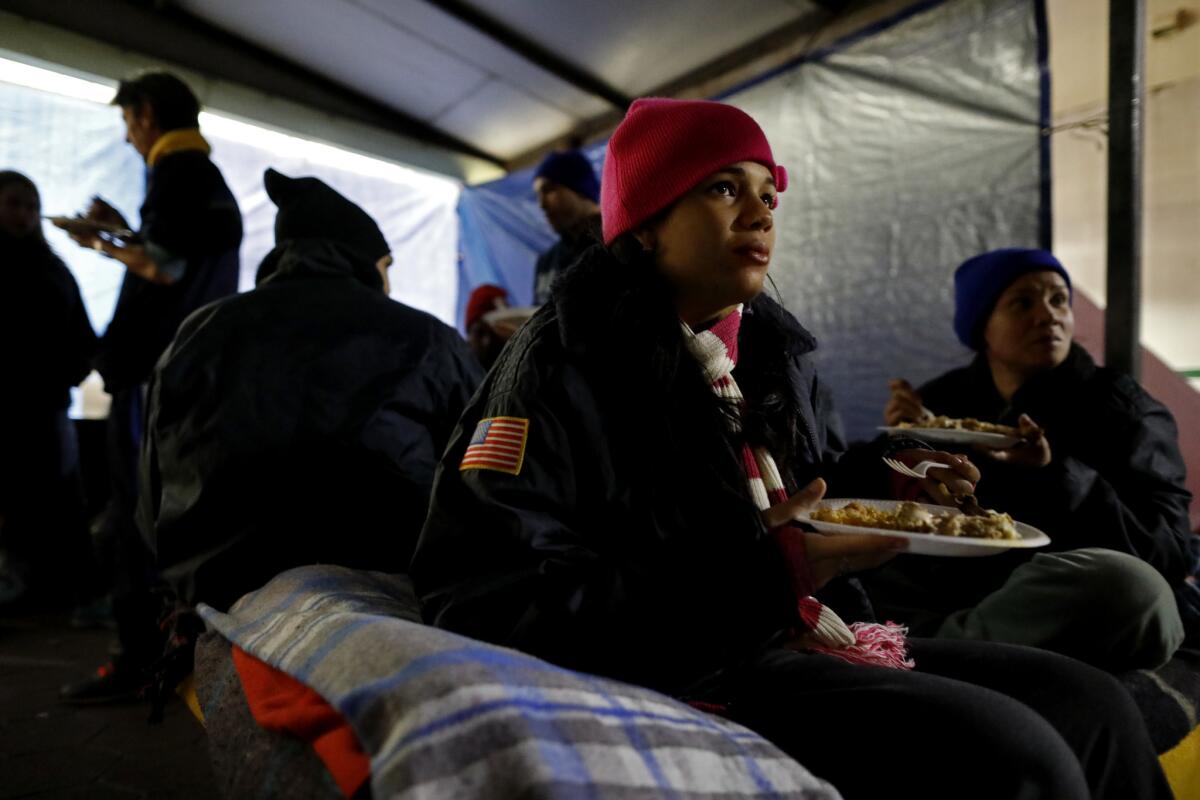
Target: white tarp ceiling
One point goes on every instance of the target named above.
(418, 59)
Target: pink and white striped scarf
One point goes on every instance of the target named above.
(864, 643)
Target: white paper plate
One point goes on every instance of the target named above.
(83, 226)
(995, 441)
(930, 544)
(507, 320)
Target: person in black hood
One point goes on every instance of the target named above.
(300, 422)
(1097, 467)
(48, 341)
(309, 210)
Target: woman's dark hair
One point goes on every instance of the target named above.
(648, 292)
(770, 417)
(627, 250)
(174, 104)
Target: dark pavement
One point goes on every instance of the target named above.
(49, 750)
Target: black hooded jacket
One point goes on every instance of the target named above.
(47, 337)
(295, 424)
(626, 544)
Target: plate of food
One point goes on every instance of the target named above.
(930, 530)
(950, 430)
(83, 226)
(506, 320)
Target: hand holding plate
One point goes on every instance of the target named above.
(904, 405)
(1032, 451)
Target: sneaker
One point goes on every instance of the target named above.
(110, 684)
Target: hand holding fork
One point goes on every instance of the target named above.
(953, 479)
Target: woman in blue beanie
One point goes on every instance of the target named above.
(1099, 469)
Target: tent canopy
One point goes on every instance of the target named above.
(495, 79)
(472, 71)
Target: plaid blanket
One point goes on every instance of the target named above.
(247, 760)
(443, 716)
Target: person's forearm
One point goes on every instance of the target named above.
(138, 260)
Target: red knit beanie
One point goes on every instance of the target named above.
(665, 147)
(483, 299)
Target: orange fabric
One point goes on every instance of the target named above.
(283, 704)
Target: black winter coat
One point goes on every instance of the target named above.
(1116, 479)
(298, 423)
(46, 339)
(189, 216)
(626, 544)
(1117, 476)
(565, 252)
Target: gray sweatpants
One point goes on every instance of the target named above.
(1106, 608)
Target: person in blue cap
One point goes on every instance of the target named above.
(568, 192)
(1098, 468)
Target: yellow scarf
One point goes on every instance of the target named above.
(177, 141)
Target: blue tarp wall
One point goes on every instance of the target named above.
(911, 146)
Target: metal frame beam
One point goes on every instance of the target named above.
(1126, 96)
(532, 51)
(163, 32)
(763, 54)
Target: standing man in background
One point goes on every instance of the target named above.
(184, 255)
(567, 191)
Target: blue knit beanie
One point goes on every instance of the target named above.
(571, 169)
(980, 281)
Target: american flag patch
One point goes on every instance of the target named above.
(498, 443)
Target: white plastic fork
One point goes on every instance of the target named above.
(918, 471)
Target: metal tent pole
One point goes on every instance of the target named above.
(1126, 64)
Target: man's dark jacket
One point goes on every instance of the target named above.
(295, 424)
(46, 342)
(565, 252)
(627, 543)
(47, 338)
(190, 220)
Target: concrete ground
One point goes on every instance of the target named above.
(49, 750)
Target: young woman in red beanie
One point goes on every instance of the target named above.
(618, 500)
(1100, 471)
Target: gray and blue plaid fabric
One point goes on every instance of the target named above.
(443, 716)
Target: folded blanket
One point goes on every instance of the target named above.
(248, 760)
(443, 716)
